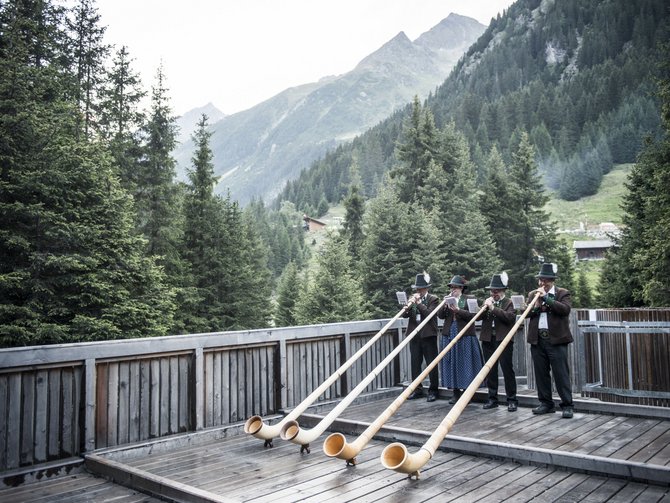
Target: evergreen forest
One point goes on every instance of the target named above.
(99, 241)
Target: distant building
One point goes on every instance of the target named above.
(312, 224)
(592, 250)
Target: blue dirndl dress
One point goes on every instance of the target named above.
(463, 362)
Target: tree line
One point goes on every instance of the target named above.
(577, 77)
(98, 241)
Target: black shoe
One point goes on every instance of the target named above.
(512, 406)
(417, 393)
(544, 409)
(567, 412)
(490, 404)
(457, 395)
(432, 396)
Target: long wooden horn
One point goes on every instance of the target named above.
(336, 445)
(396, 457)
(292, 431)
(255, 425)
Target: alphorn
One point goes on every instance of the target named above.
(396, 457)
(255, 425)
(292, 431)
(336, 445)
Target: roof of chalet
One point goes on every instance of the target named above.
(305, 217)
(596, 243)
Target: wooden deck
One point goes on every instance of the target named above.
(488, 456)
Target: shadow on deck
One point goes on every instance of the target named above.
(607, 452)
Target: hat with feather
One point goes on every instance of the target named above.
(499, 281)
(422, 281)
(548, 271)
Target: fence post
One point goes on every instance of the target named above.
(281, 377)
(344, 356)
(89, 400)
(199, 400)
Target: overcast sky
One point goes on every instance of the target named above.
(237, 53)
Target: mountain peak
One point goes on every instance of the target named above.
(256, 151)
(188, 122)
(452, 33)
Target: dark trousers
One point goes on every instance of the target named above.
(506, 362)
(551, 360)
(420, 348)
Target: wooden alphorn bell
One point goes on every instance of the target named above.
(255, 425)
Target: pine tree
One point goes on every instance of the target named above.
(157, 198)
(334, 294)
(535, 233)
(71, 267)
(200, 302)
(399, 243)
(352, 229)
(465, 242)
(288, 289)
(120, 118)
(89, 54)
(583, 296)
(415, 152)
(255, 279)
(638, 269)
(495, 208)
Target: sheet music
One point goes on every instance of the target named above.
(402, 298)
(517, 300)
(473, 307)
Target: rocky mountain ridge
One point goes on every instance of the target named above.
(257, 150)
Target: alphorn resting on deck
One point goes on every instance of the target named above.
(336, 445)
(291, 430)
(255, 425)
(396, 456)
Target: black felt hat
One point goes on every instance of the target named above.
(459, 281)
(499, 282)
(548, 270)
(422, 281)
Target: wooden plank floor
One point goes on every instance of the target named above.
(80, 488)
(237, 468)
(241, 469)
(630, 438)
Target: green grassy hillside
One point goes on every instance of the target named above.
(605, 206)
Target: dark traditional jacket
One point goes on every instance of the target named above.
(462, 316)
(499, 320)
(423, 309)
(557, 308)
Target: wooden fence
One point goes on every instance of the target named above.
(619, 355)
(62, 400)
(627, 355)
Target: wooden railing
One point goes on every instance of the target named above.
(627, 355)
(63, 400)
(619, 355)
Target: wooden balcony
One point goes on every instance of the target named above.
(163, 416)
